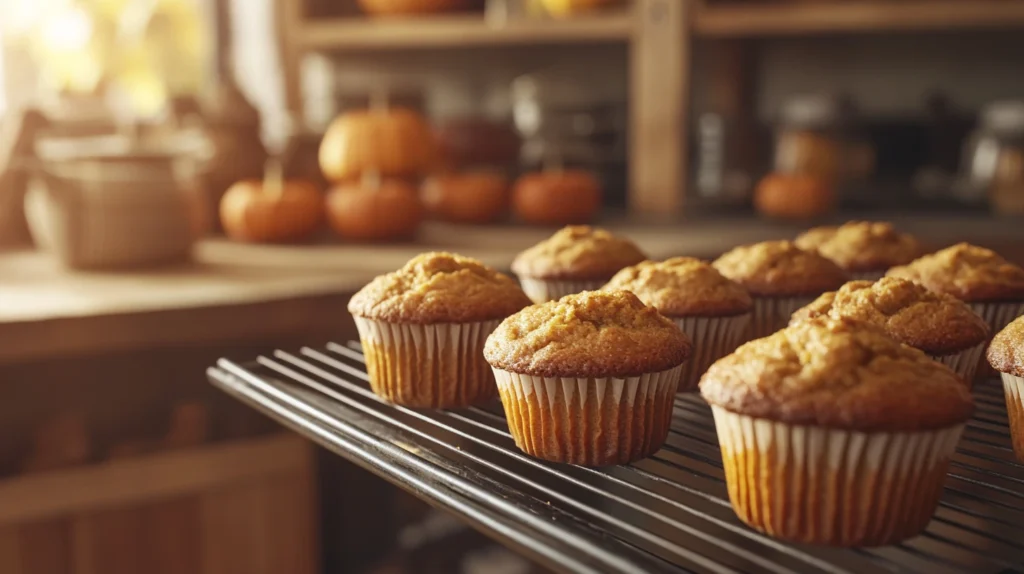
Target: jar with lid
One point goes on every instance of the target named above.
(809, 140)
(806, 167)
(994, 158)
(819, 154)
(567, 120)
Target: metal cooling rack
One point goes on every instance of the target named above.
(669, 513)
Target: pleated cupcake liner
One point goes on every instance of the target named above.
(588, 421)
(965, 363)
(1014, 388)
(542, 290)
(773, 313)
(428, 366)
(831, 486)
(997, 315)
(713, 338)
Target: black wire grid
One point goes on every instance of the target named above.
(668, 513)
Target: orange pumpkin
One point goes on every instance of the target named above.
(396, 142)
(374, 209)
(557, 197)
(403, 7)
(272, 210)
(475, 197)
(794, 196)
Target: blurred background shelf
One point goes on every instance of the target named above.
(460, 31)
(761, 19)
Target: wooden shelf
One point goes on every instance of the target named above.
(460, 32)
(857, 16)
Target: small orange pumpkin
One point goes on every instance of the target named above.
(273, 210)
(374, 209)
(557, 197)
(794, 196)
(396, 142)
(473, 197)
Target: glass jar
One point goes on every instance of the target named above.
(807, 167)
(809, 138)
(994, 158)
(565, 119)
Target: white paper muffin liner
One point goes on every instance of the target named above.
(713, 338)
(830, 486)
(587, 421)
(1014, 387)
(542, 290)
(965, 363)
(997, 315)
(428, 366)
(774, 313)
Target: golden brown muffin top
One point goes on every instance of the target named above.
(439, 288)
(838, 373)
(1006, 353)
(578, 252)
(967, 272)
(936, 323)
(780, 269)
(683, 287)
(859, 246)
(590, 334)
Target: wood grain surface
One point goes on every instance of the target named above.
(234, 292)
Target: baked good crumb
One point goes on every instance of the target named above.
(439, 287)
(683, 287)
(590, 334)
(838, 373)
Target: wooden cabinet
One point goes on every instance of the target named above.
(659, 35)
(243, 507)
(654, 31)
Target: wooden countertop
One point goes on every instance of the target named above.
(243, 291)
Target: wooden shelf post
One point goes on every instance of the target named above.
(659, 102)
(290, 16)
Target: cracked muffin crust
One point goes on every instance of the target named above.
(780, 269)
(936, 323)
(439, 287)
(578, 252)
(861, 246)
(683, 287)
(1006, 353)
(967, 272)
(591, 334)
(838, 373)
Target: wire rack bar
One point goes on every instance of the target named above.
(668, 513)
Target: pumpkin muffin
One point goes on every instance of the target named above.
(575, 259)
(589, 379)
(938, 324)
(712, 310)
(781, 277)
(837, 408)
(864, 249)
(989, 284)
(1006, 355)
(423, 329)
